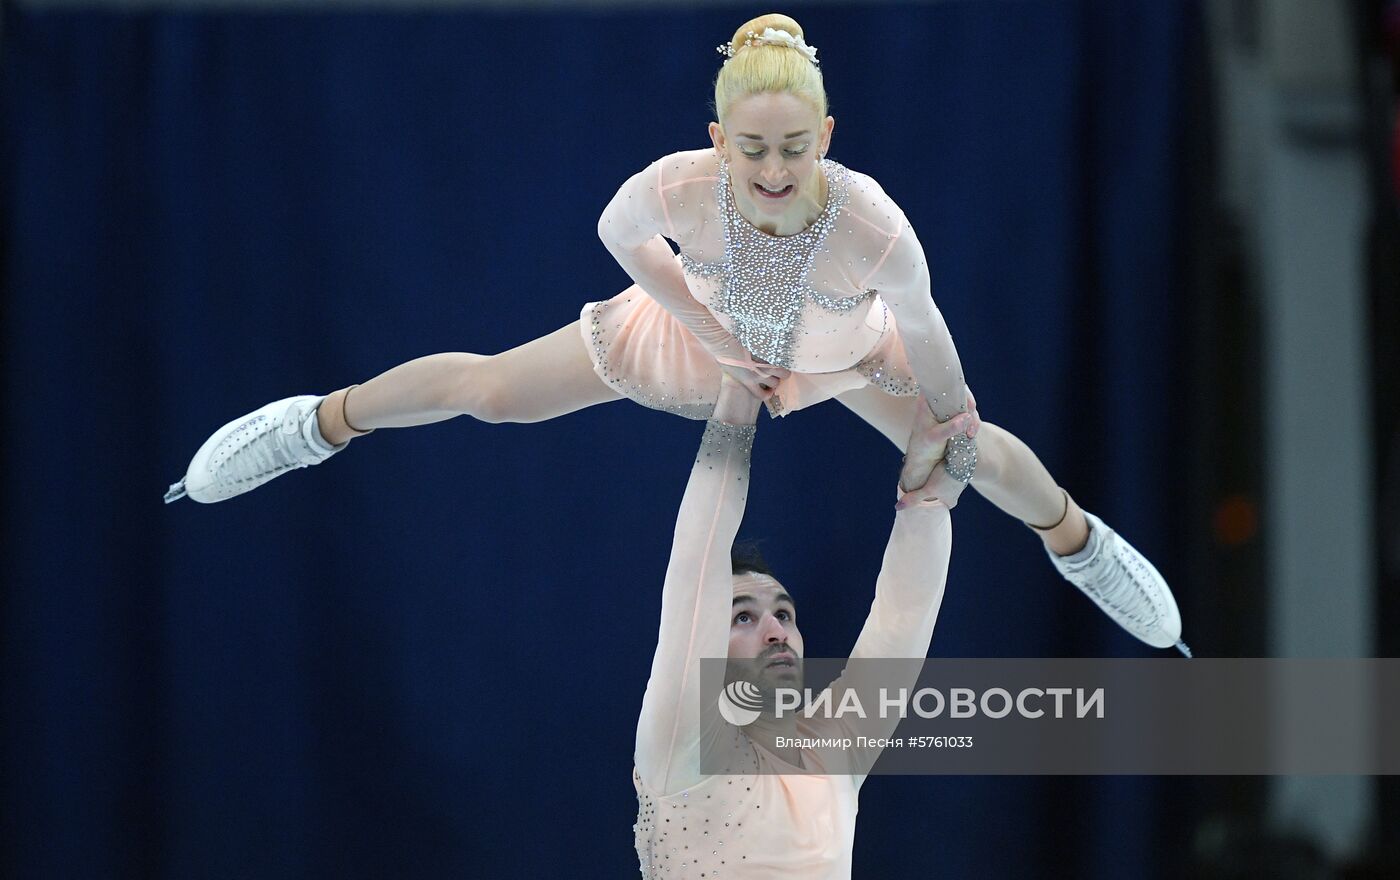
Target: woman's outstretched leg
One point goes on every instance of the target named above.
(1086, 552)
(539, 380)
(1008, 473)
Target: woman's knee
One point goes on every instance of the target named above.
(477, 388)
(492, 398)
(540, 380)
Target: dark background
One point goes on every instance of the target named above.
(426, 657)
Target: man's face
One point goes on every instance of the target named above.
(763, 628)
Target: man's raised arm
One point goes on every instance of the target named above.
(909, 590)
(908, 595)
(697, 595)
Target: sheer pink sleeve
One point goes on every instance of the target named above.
(695, 605)
(901, 277)
(909, 590)
(908, 595)
(631, 227)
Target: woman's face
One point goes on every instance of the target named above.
(773, 142)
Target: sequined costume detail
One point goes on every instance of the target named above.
(674, 394)
(698, 269)
(765, 280)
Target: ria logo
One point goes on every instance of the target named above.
(740, 702)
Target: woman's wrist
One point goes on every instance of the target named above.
(960, 458)
(735, 405)
(959, 452)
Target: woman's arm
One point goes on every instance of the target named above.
(632, 228)
(902, 279)
(697, 595)
(903, 282)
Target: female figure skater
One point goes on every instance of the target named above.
(796, 277)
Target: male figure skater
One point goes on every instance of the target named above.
(758, 823)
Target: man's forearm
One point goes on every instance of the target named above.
(695, 604)
(909, 589)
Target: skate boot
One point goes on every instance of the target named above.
(255, 448)
(1125, 585)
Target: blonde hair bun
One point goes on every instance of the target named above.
(775, 20)
(767, 68)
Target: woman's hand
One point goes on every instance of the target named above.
(736, 404)
(759, 378)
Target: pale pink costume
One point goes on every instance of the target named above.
(756, 824)
(823, 303)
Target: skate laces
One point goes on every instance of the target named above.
(267, 451)
(1120, 590)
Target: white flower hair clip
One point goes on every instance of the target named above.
(773, 37)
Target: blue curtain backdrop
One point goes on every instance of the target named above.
(426, 657)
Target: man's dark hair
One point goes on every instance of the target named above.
(745, 557)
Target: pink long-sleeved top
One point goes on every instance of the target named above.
(757, 824)
(828, 302)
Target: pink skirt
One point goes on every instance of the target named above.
(645, 353)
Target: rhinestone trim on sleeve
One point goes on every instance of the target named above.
(721, 436)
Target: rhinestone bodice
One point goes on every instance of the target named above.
(763, 287)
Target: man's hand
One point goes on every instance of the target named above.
(736, 404)
(937, 484)
(759, 378)
(927, 443)
(972, 411)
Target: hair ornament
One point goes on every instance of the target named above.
(772, 37)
